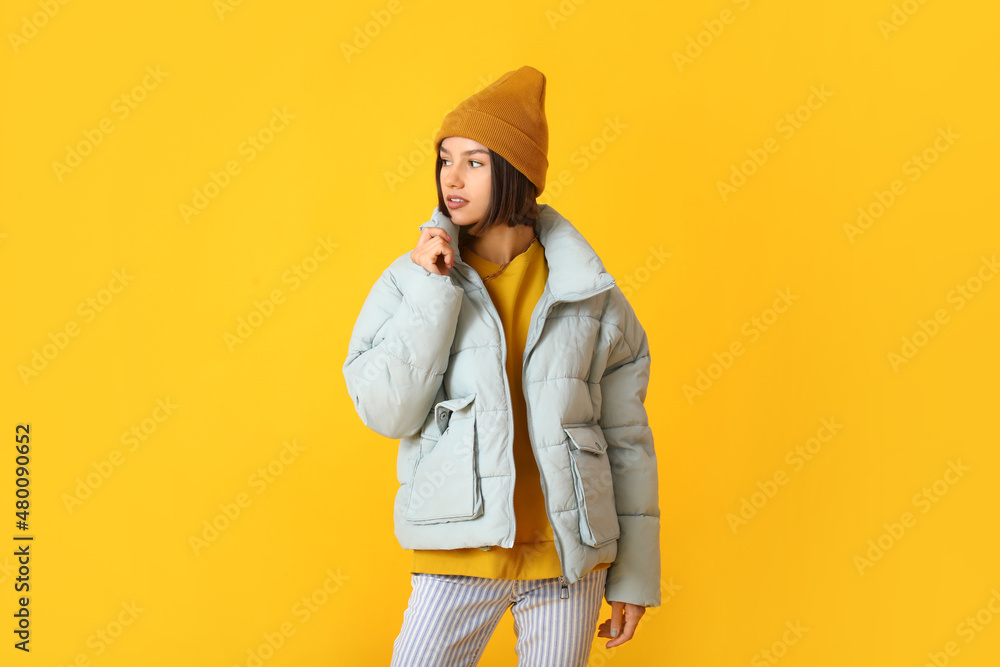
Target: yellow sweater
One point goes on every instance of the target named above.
(533, 556)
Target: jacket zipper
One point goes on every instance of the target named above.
(507, 542)
(528, 347)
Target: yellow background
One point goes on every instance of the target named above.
(350, 169)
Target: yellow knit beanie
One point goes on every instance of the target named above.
(508, 117)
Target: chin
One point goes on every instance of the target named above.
(463, 220)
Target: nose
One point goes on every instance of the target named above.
(450, 176)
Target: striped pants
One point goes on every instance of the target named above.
(450, 617)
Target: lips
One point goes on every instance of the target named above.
(454, 201)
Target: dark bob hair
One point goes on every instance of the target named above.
(512, 197)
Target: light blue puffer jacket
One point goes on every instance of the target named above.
(427, 364)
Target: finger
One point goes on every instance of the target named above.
(431, 232)
(634, 611)
(436, 256)
(435, 243)
(631, 621)
(616, 624)
(633, 614)
(446, 255)
(617, 613)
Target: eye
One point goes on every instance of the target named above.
(446, 161)
(476, 162)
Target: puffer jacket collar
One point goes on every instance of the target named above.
(575, 270)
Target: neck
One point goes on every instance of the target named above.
(501, 244)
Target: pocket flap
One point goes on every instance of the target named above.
(453, 404)
(587, 438)
(443, 410)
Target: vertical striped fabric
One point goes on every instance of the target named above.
(450, 618)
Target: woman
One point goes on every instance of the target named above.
(514, 372)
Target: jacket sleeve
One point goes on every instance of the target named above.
(635, 574)
(400, 347)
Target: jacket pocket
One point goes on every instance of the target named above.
(592, 481)
(445, 484)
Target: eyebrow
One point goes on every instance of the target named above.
(472, 152)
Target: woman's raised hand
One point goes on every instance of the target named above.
(434, 251)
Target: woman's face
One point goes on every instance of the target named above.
(466, 176)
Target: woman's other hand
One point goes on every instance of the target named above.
(433, 251)
(621, 626)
